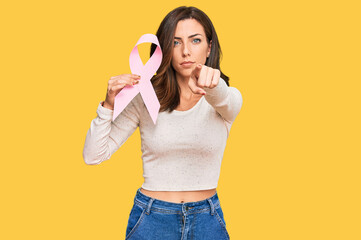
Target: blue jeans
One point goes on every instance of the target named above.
(154, 219)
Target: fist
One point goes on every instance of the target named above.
(203, 77)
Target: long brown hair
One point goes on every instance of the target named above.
(164, 82)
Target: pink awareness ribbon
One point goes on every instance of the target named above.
(144, 87)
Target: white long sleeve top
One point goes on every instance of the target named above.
(183, 151)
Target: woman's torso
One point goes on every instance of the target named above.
(181, 196)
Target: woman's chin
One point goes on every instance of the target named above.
(184, 74)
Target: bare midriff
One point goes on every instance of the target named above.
(180, 196)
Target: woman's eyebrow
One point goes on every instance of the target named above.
(189, 36)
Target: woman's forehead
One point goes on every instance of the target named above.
(188, 27)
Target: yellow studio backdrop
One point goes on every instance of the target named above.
(291, 168)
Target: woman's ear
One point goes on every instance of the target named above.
(209, 48)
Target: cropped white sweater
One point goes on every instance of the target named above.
(183, 151)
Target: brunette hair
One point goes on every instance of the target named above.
(164, 82)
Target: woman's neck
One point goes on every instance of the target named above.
(185, 93)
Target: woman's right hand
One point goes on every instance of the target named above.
(116, 84)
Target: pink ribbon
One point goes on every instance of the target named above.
(145, 87)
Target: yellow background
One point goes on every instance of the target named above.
(291, 168)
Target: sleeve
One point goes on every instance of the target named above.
(227, 101)
(105, 137)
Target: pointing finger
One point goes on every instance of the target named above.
(196, 71)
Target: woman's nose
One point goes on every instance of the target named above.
(186, 50)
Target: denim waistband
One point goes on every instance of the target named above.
(170, 207)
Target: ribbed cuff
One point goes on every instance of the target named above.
(104, 113)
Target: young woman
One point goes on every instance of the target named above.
(183, 151)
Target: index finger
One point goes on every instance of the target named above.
(134, 75)
(197, 70)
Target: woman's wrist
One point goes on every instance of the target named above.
(104, 104)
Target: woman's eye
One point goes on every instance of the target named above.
(197, 40)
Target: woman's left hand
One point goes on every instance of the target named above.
(203, 77)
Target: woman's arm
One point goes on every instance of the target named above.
(227, 101)
(104, 137)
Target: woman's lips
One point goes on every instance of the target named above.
(187, 64)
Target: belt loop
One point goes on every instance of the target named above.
(149, 206)
(212, 206)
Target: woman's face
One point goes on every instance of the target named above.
(190, 45)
